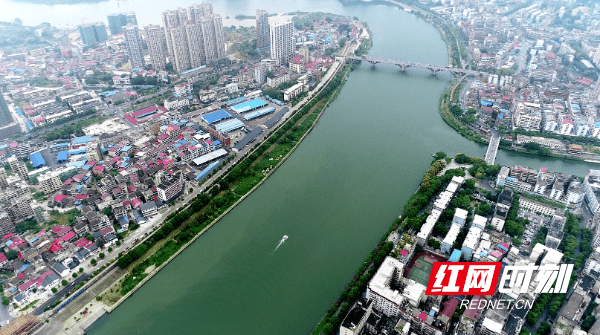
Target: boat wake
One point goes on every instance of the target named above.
(285, 237)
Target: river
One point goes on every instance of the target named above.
(335, 196)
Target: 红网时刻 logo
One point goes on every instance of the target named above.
(481, 278)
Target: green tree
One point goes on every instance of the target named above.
(74, 275)
(484, 209)
(588, 322)
(93, 261)
(12, 254)
(107, 211)
(54, 290)
(64, 282)
(101, 256)
(513, 228)
(435, 244)
(440, 155)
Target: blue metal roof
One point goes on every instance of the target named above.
(249, 105)
(207, 170)
(217, 116)
(259, 113)
(82, 139)
(37, 160)
(62, 156)
(455, 256)
(77, 151)
(236, 101)
(229, 125)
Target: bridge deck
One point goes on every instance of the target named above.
(404, 64)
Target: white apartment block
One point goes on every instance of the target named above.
(49, 183)
(591, 187)
(183, 88)
(448, 242)
(526, 117)
(386, 299)
(282, 41)
(471, 242)
(214, 41)
(536, 207)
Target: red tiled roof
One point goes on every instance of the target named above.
(82, 243)
(450, 307)
(68, 236)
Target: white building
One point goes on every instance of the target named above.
(448, 242)
(591, 187)
(282, 41)
(49, 183)
(292, 92)
(471, 242)
(460, 216)
(479, 221)
(384, 298)
(183, 88)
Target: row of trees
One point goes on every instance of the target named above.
(66, 131)
(219, 204)
(435, 168)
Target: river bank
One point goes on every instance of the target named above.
(307, 116)
(457, 52)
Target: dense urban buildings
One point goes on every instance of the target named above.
(194, 36)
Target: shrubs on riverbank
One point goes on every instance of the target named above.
(227, 191)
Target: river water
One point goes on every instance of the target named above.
(334, 197)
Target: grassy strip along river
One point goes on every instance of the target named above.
(183, 227)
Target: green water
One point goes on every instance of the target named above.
(334, 197)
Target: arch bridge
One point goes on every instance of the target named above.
(403, 65)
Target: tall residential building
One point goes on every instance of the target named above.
(181, 54)
(169, 19)
(6, 225)
(3, 176)
(193, 36)
(262, 30)
(49, 183)
(214, 42)
(5, 115)
(18, 167)
(134, 46)
(202, 10)
(93, 33)
(282, 41)
(116, 22)
(155, 39)
(193, 32)
(170, 187)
